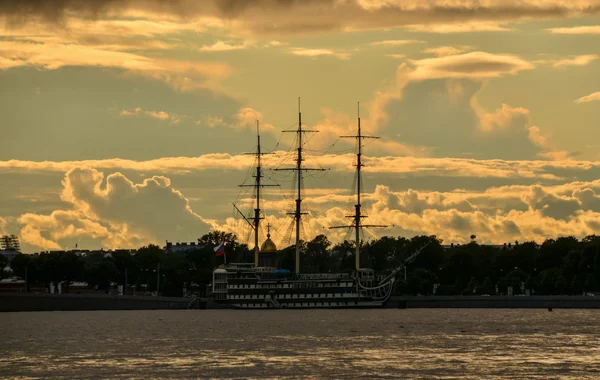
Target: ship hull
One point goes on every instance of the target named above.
(255, 290)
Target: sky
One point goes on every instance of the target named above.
(126, 123)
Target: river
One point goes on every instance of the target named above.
(382, 343)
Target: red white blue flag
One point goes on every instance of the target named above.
(220, 249)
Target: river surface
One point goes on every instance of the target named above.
(383, 343)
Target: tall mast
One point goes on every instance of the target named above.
(255, 224)
(298, 213)
(357, 217)
(299, 169)
(257, 209)
(357, 214)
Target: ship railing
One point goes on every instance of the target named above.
(380, 292)
(323, 276)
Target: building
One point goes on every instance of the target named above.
(496, 246)
(182, 247)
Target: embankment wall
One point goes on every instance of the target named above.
(51, 302)
(499, 302)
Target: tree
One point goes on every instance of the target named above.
(215, 238)
(548, 281)
(343, 257)
(382, 254)
(99, 270)
(125, 266)
(201, 262)
(49, 268)
(516, 279)
(317, 254)
(420, 281)
(71, 268)
(431, 257)
(487, 287)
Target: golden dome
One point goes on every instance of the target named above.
(268, 245)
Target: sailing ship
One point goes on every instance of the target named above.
(261, 285)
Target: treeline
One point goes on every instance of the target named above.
(558, 266)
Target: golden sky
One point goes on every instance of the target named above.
(126, 122)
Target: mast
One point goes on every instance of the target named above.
(299, 169)
(357, 217)
(255, 224)
(298, 213)
(257, 209)
(357, 214)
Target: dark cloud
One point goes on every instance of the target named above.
(22, 11)
(439, 114)
(552, 205)
(298, 16)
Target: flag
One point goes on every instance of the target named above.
(220, 249)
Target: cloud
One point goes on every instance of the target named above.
(59, 225)
(443, 51)
(114, 212)
(275, 43)
(580, 60)
(398, 165)
(107, 34)
(313, 53)
(3, 226)
(469, 27)
(589, 98)
(182, 75)
(592, 29)
(515, 122)
(502, 118)
(396, 56)
(135, 112)
(160, 115)
(247, 118)
(396, 42)
(495, 214)
(293, 17)
(224, 46)
(432, 106)
(551, 205)
(477, 65)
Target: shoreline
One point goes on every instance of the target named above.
(15, 302)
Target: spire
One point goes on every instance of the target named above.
(268, 246)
